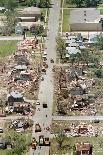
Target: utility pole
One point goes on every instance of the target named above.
(62, 18)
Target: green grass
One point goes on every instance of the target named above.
(7, 47)
(65, 26)
(97, 150)
(67, 5)
(101, 11)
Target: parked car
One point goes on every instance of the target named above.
(52, 61)
(46, 141)
(41, 140)
(1, 130)
(45, 105)
(37, 103)
(37, 127)
(34, 144)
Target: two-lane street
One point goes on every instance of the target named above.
(46, 86)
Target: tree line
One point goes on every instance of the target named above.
(12, 4)
(84, 3)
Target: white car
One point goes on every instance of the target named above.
(37, 103)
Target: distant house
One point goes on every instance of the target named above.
(84, 149)
(28, 16)
(87, 19)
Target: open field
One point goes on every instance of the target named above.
(7, 47)
(66, 14)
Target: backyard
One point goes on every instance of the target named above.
(97, 143)
(7, 47)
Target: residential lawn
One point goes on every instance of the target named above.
(101, 10)
(7, 47)
(95, 141)
(66, 14)
(67, 5)
(43, 10)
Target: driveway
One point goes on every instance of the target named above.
(46, 86)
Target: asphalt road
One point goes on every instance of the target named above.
(79, 118)
(46, 86)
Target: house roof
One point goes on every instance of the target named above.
(16, 94)
(85, 15)
(31, 10)
(72, 50)
(83, 146)
(21, 67)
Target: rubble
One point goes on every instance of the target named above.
(20, 74)
(72, 90)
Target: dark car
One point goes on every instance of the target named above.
(2, 145)
(46, 141)
(44, 105)
(52, 61)
(37, 127)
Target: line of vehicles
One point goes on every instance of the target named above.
(43, 141)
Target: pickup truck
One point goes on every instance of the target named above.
(37, 127)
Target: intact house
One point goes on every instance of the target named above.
(85, 19)
(84, 149)
(29, 16)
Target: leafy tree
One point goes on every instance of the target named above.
(61, 47)
(10, 4)
(99, 73)
(2, 104)
(77, 2)
(37, 30)
(9, 22)
(74, 150)
(86, 3)
(91, 3)
(60, 138)
(19, 143)
(99, 43)
(30, 2)
(43, 3)
(61, 109)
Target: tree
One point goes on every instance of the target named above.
(37, 30)
(99, 73)
(61, 47)
(30, 2)
(10, 4)
(99, 43)
(60, 138)
(2, 104)
(74, 150)
(61, 109)
(9, 22)
(91, 3)
(85, 3)
(43, 3)
(77, 2)
(19, 143)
